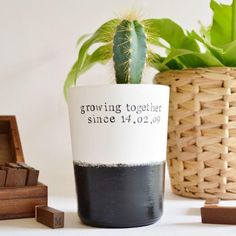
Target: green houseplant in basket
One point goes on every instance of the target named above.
(119, 169)
(202, 117)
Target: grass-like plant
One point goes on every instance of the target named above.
(129, 43)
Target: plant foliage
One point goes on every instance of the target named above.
(128, 43)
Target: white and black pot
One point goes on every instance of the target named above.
(119, 136)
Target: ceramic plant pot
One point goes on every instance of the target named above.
(119, 135)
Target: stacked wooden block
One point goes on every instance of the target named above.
(18, 175)
(20, 190)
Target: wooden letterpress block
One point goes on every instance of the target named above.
(32, 174)
(10, 176)
(3, 174)
(32, 178)
(49, 216)
(212, 201)
(15, 177)
(218, 215)
(21, 175)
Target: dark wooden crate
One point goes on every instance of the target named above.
(17, 202)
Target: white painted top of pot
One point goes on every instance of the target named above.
(119, 124)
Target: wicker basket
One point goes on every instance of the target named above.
(202, 131)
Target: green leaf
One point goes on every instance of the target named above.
(229, 54)
(100, 55)
(223, 30)
(170, 32)
(70, 81)
(104, 34)
(217, 52)
(205, 31)
(81, 39)
(175, 64)
(191, 59)
(175, 53)
(155, 61)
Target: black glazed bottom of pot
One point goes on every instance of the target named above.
(120, 196)
(127, 225)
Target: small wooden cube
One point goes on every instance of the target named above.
(212, 201)
(49, 216)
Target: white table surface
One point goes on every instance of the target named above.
(181, 217)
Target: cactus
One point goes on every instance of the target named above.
(127, 42)
(129, 52)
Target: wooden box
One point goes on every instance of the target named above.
(16, 202)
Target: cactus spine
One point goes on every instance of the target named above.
(129, 52)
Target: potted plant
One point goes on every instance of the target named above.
(202, 117)
(119, 131)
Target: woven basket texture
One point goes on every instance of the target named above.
(202, 131)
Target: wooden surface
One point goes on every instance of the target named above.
(20, 202)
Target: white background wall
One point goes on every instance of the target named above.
(37, 49)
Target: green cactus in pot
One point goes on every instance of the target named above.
(129, 52)
(129, 43)
(125, 41)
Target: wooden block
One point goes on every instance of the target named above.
(21, 202)
(218, 215)
(32, 178)
(49, 216)
(21, 175)
(210, 201)
(15, 177)
(11, 176)
(3, 175)
(32, 174)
